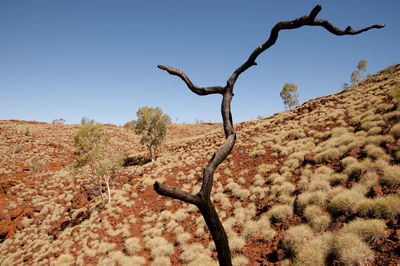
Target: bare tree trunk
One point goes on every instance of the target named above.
(202, 198)
(108, 190)
(151, 153)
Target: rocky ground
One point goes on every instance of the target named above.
(315, 185)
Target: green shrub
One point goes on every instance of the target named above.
(289, 95)
(94, 159)
(152, 126)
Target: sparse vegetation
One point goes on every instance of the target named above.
(289, 95)
(152, 126)
(305, 211)
(59, 121)
(358, 74)
(93, 144)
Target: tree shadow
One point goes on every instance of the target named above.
(134, 161)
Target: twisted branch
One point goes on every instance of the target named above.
(199, 91)
(202, 198)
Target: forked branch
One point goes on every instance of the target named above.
(199, 91)
(202, 198)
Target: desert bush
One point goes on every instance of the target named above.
(375, 152)
(236, 243)
(316, 185)
(265, 168)
(314, 252)
(159, 246)
(384, 107)
(296, 237)
(369, 179)
(259, 228)
(337, 179)
(391, 176)
(65, 259)
(258, 180)
(368, 230)
(349, 249)
(161, 261)
(394, 92)
(345, 202)
(354, 170)
(132, 245)
(379, 140)
(386, 207)
(395, 131)
(323, 170)
(328, 155)
(367, 125)
(95, 159)
(318, 221)
(237, 190)
(392, 115)
(280, 213)
(348, 161)
(286, 188)
(256, 153)
(310, 198)
(196, 254)
(374, 131)
(152, 126)
(240, 261)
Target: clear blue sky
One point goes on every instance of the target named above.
(98, 58)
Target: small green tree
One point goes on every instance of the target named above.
(358, 74)
(152, 126)
(289, 95)
(94, 159)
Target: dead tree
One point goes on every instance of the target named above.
(202, 198)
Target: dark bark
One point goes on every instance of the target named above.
(202, 198)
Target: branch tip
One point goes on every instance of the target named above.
(314, 12)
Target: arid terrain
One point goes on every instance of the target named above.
(316, 185)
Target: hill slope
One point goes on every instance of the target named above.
(315, 185)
